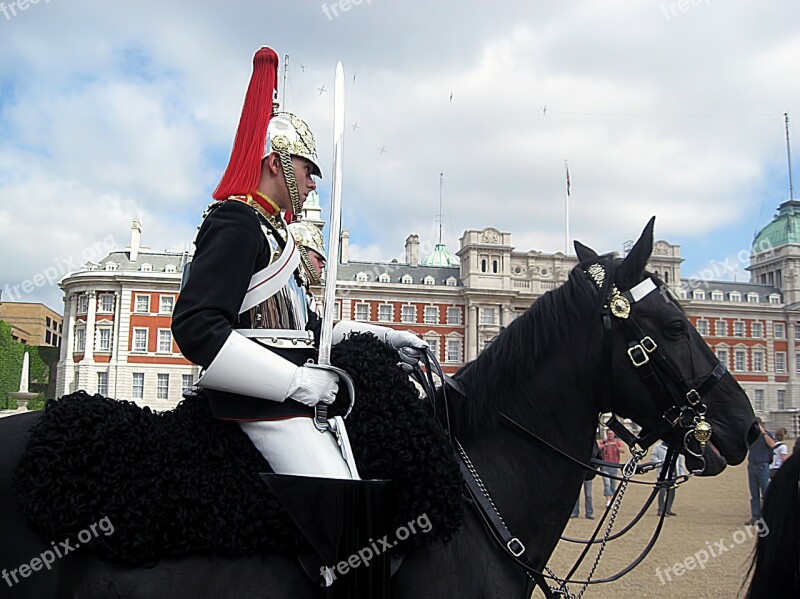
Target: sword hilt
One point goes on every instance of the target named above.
(321, 417)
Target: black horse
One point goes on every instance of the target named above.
(776, 563)
(553, 369)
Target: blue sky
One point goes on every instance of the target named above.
(110, 112)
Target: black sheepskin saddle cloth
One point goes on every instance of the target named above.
(181, 482)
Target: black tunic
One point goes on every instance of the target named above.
(230, 248)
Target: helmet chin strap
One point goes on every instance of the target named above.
(291, 182)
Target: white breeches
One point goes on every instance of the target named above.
(295, 446)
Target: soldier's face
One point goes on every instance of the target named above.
(302, 173)
(317, 261)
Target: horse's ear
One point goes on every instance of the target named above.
(630, 271)
(584, 253)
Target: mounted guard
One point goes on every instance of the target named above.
(243, 315)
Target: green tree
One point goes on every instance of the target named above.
(11, 356)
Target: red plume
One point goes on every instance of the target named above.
(244, 167)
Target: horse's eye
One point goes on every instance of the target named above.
(676, 328)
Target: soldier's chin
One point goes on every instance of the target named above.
(712, 463)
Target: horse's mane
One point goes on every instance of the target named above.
(499, 371)
(776, 563)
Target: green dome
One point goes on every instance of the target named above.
(784, 228)
(440, 257)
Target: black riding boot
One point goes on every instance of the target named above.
(344, 522)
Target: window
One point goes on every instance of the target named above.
(385, 313)
(80, 340)
(756, 330)
(102, 383)
(431, 315)
(429, 280)
(83, 304)
(165, 341)
(738, 329)
(384, 278)
(165, 304)
(483, 265)
(170, 268)
(454, 350)
(758, 361)
(111, 266)
(495, 268)
(362, 277)
(780, 362)
(774, 298)
(140, 340)
(337, 311)
(797, 363)
(104, 342)
(143, 303)
(162, 390)
(451, 282)
(698, 294)
(488, 316)
(187, 383)
(780, 330)
(434, 345)
(735, 296)
(406, 280)
(362, 312)
(408, 314)
(739, 360)
(797, 331)
(106, 302)
(722, 356)
(453, 315)
(758, 400)
(720, 329)
(137, 389)
(781, 399)
(702, 327)
(752, 298)
(716, 296)
(147, 267)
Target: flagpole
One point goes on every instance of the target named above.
(566, 211)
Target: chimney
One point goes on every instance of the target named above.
(136, 238)
(344, 248)
(412, 250)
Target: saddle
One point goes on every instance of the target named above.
(182, 482)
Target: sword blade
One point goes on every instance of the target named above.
(335, 221)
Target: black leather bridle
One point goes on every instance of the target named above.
(664, 381)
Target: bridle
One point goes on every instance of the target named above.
(686, 412)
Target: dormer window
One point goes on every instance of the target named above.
(451, 282)
(698, 294)
(384, 278)
(112, 266)
(170, 268)
(735, 296)
(362, 277)
(147, 267)
(429, 280)
(717, 296)
(407, 279)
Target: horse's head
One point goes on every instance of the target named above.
(657, 369)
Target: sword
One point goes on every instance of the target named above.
(326, 335)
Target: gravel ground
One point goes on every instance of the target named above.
(709, 511)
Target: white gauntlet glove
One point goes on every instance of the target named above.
(405, 339)
(311, 386)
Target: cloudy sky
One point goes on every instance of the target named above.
(114, 111)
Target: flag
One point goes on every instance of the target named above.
(566, 166)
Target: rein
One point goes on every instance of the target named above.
(686, 412)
